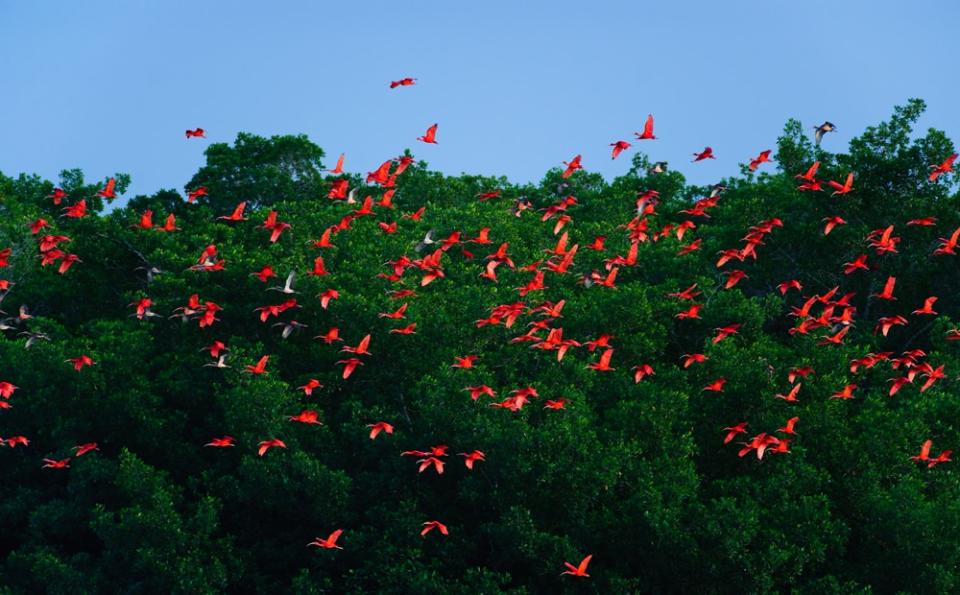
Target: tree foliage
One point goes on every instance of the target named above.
(634, 473)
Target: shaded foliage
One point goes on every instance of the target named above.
(634, 473)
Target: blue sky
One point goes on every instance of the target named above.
(516, 87)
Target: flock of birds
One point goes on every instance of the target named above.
(834, 312)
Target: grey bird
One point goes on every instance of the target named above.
(33, 337)
(287, 286)
(822, 129)
(658, 168)
(219, 363)
(290, 327)
(426, 241)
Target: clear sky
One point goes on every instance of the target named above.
(516, 86)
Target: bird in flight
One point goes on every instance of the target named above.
(707, 153)
(329, 543)
(578, 570)
(430, 136)
(819, 131)
(647, 133)
(943, 168)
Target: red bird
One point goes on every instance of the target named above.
(808, 176)
(948, 246)
(485, 196)
(831, 223)
(846, 393)
(716, 385)
(932, 374)
(53, 464)
(67, 262)
(944, 168)
(924, 455)
(476, 391)
(694, 358)
(260, 367)
(604, 364)
(860, 263)
(169, 224)
(266, 445)
(76, 211)
(193, 195)
(310, 386)
(642, 371)
(471, 457)
(692, 312)
(836, 339)
(404, 82)
(83, 449)
(326, 296)
(338, 189)
(887, 293)
(7, 389)
(813, 186)
(330, 336)
(264, 273)
(740, 428)
(276, 227)
(619, 147)
(788, 429)
(307, 416)
(555, 404)
(349, 365)
(844, 188)
(13, 441)
(143, 308)
(707, 153)
(790, 397)
(689, 293)
(431, 525)
(237, 214)
(647, 133)
(943, 457)
(572, 166)
(319, 268)
(724, 332)
(196, 132)
(427, 462)
(146, 220)
(225, 442)
(397, 314)
(380, 426)
(579, 570)
(763, 157)
(733, 277)
(465, 361)
(794, 373)
(338, 168)
(38, 225)
(58, 195)
(927, 306)
(760, 443)
(328, 543)
(788, 285)
(361, 348)
(430, 136)
(108, 191)
(80, 362)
